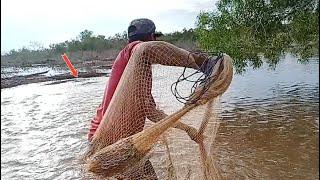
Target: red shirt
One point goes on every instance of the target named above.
(117, 69)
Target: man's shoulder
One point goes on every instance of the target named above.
(125, 53)
(132, 44)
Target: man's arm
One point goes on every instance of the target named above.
(155, 115)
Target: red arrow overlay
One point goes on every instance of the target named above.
(74, 72)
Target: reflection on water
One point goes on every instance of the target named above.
(272, 138)
(269, 127)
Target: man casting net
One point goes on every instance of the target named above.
(124, 148)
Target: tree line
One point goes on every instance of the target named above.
(250, 31)
(87, 42)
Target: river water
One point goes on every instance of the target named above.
(269, 125)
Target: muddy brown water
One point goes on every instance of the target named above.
(269, 125)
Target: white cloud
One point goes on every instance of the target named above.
(52, 21)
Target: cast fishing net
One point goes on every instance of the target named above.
(162, 121)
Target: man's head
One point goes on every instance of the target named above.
(142, 29)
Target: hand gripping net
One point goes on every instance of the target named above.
(126, 146)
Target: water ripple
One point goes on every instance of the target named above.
(269, 125)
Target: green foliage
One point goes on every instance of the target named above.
(84, 35)
(59, 48)
(86, 43)
(247, 29)
(185, 39)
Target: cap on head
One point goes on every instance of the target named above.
(142, 26)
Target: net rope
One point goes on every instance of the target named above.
(170, 145)
(205, 72)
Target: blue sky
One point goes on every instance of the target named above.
(53, 21)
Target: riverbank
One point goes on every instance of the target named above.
(87, 69)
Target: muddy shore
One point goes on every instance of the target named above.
(91, 70)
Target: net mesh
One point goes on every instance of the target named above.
(135, 139)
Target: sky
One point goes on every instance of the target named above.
(52, 21)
